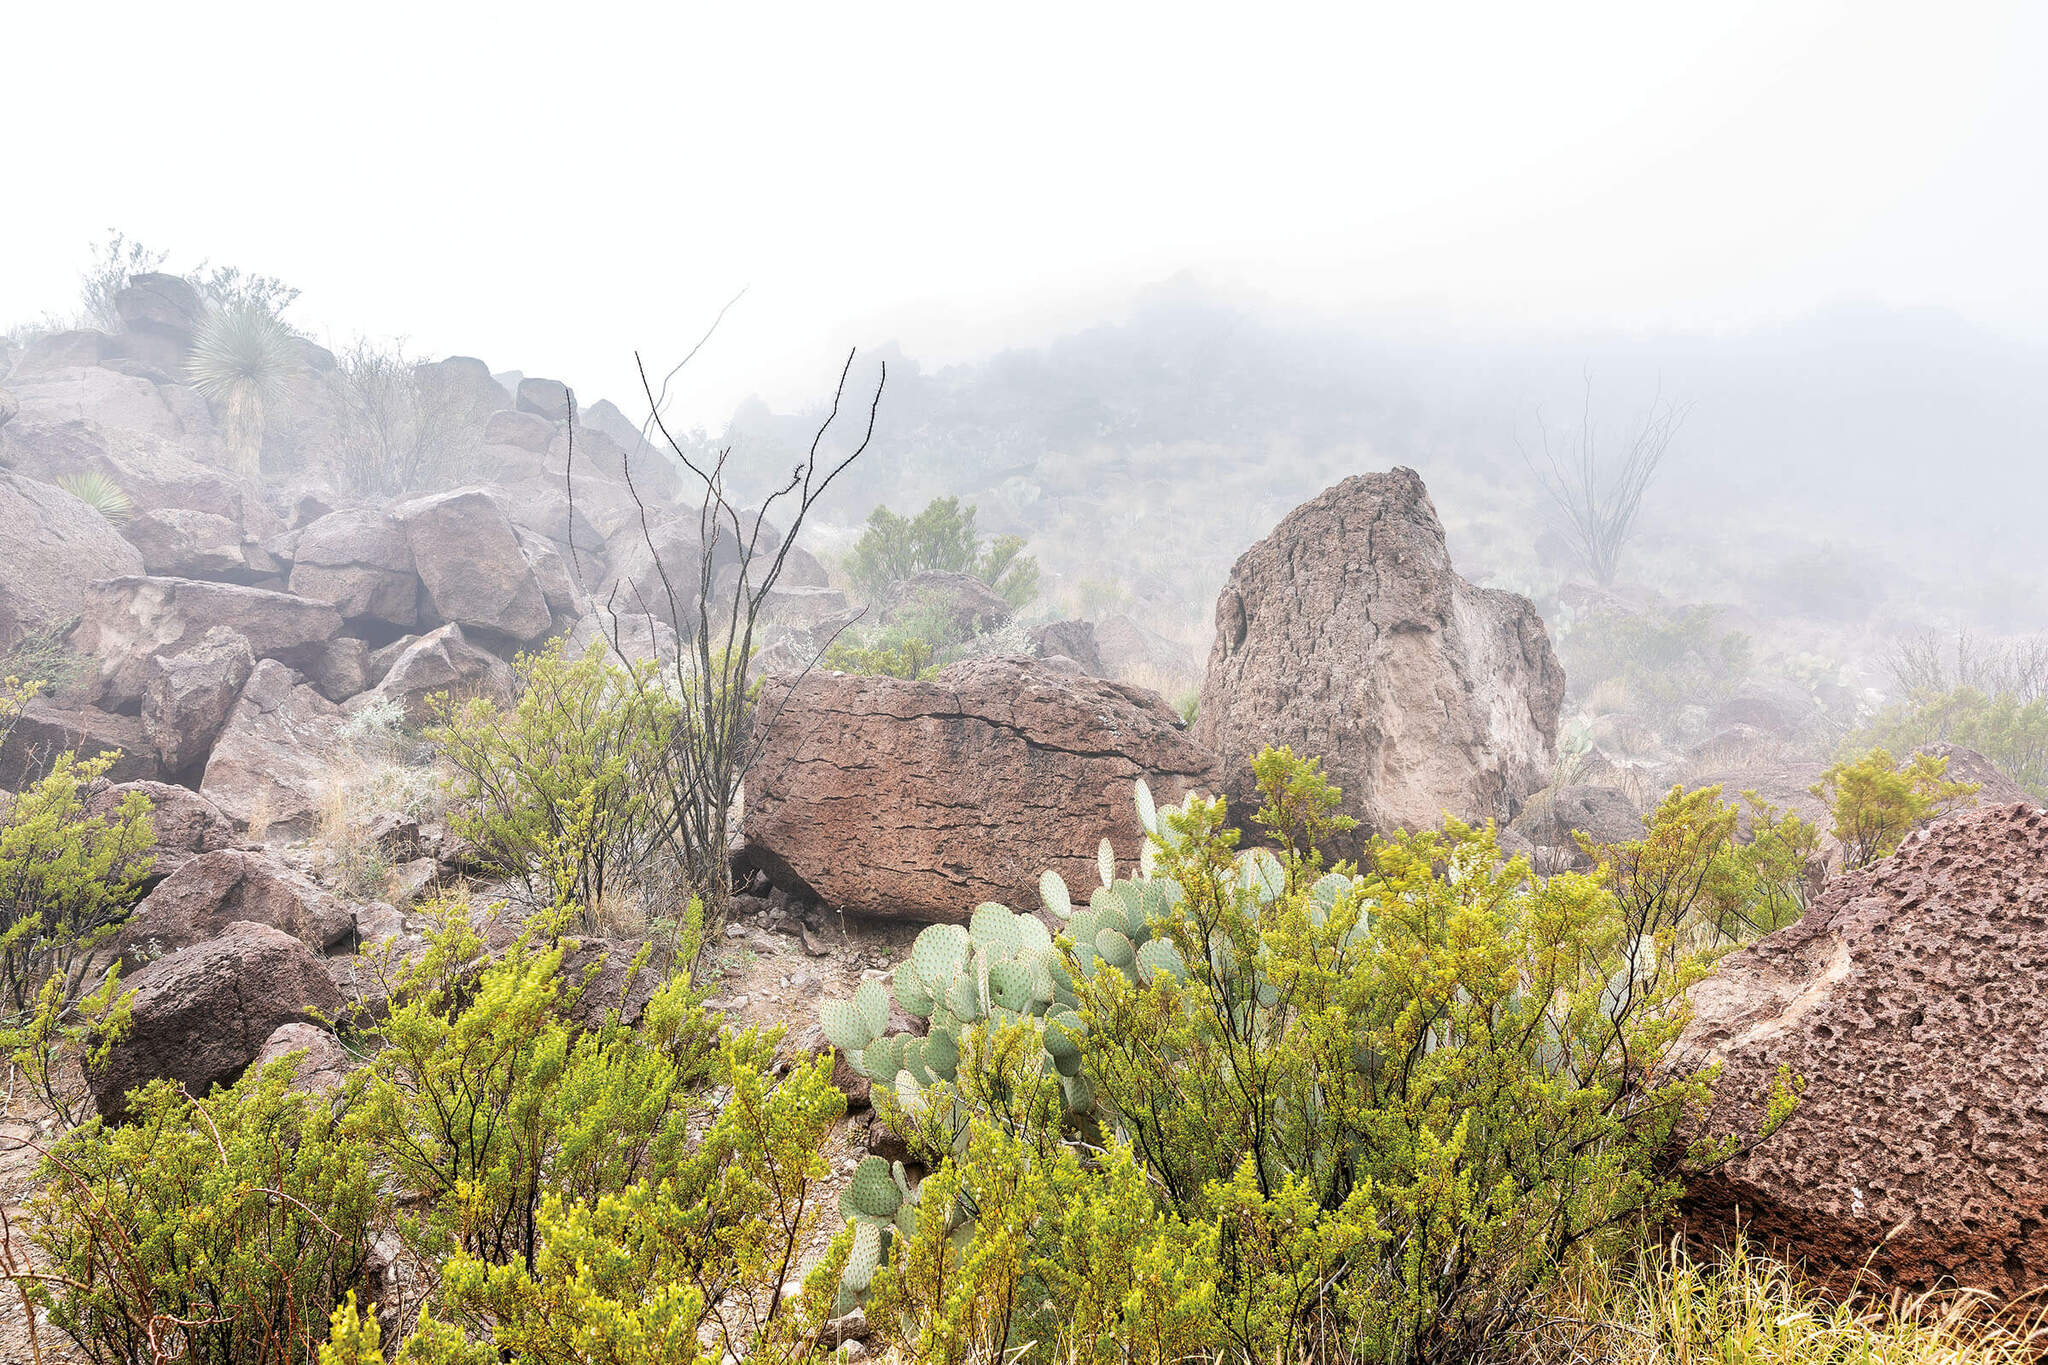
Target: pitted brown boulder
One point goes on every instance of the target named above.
(917, 800)
(441, 661)
(1910, 998)
(210, 892)
(1348, 635)
(471, 566)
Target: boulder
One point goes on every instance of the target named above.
(127, 621)
(1551, 819)
(74, 349)
(214, 890)
(202, 1015)
(56, 545)
(460, 387)
(159, 304)
(1776, 706)
(178, 542)
(154, 471)
(339, 668)
(45, 729)
(520, 430)
(1909, 998)
(359, 559)
(271, 767)
(962, 604)
(1136, 653)
(187, 696)
(610, 985)
(444, 660)
(1348, 635)
(802, 608)
(917, 800)
(1073, 640)
(547, 398)
(322, 1065)
(185, 823)
(657, 578)
(470, 564)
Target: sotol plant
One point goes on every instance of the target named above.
(100, 493)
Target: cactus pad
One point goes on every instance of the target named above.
(871, 998)
(1053, 895)
(1160, 956)
(846, 1025)
(994, 929)
(872, 1192)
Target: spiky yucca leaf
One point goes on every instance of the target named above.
(242, 353)
(100, 493)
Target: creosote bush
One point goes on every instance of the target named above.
(1877, 802)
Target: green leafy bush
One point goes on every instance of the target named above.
(2007, 727)
(220, 1231)
(557, 788)
(939, 539)
(1393, 1101)
(1877, 801)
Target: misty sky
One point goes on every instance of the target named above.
(552, 186)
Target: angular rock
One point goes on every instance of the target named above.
(1134, 653)
(154, 471)
(1348, 635)
(1909, 998)
(213, 890)
(322, 1068)
(53, 547)
(186, 824)
(522, 430)
(272, 765)
(603, 969)
(441, 661)
(963, 603)
(187, 696)
(45, 729)
(359, 559)
(202, 1015)
(917, 800)
(159, 304)
(339, 668)
(1071, 640)
(177, 542)
(127, 621)
(547, 398)
(470, 564)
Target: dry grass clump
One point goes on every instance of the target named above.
(378, 769)
(1742, 1308)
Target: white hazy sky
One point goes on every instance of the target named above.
(552, 186)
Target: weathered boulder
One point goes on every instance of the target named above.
(200, 1016)
(1348, 635)
(444, 660)
(1909, 998)
(54, 546)
(1776, 706)
(802, 608)
(1551, 819)
(72, 349)
(322, 1066)
(548, 398)
(610, 986)
(187, 696)
(1069, 640)
(339, 668)
(154, 471)
(272, 765)
(160, 304)
(127, 621)
(359, 559)
(522, 430)
(961, 603)
(213, 890)
(918, 800)
(45, 729)
(178, 542)
(461, 387)
(1130, 652)
(185, 823)
(471, 566)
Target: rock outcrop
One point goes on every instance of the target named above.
(186, 824)
(128, 621)
(210, 892)
(1910, 999)
(962, 603)
(1348, 635)
(52, 547)
(187, 696)
(920, 799)
(200, 1016)
(470, 564)
(360, 560)
(444, 660)
(44, 729)
(271, 767)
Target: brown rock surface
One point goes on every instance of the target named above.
(1348, 635)
(45, 729)
(187, 696)
(358, 559)
(210, 892)
(1910, 998)
(272, 764)
(127, 621)
(186, 824)
(444, 660)
(920, 799)
(52, 547)
(471, 566)
(200, 1016)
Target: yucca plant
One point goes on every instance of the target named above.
(243, 358)
(100, 493)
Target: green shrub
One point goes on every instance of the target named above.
(220, 1231)
(1877, 802)
(1662, 659)
(100, 493)
(1694, 871)
(2006, 727)
(1396, 1101)
(939, 539)
(557, 788)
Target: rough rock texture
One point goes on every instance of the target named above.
(442, 661)
(920, 799)
(1348, 635)
(338, 668)
(56, 545)
(1069, 640)
(967, 604)
(1910, 998)
(210, 892)
(127, 621)
(160, 304)
(1602, 814)
(270, 768)
(186, 824)
(45, 729)
(154, 471)
(470, 564)
(187, 696)
(358, 559)
(1131, 652)
(610, 987)
(324, 1066)
(203, 1014)
(178, 542)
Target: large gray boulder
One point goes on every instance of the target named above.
(201, 1015)
(51, 546)
(272, 767)
(918, 800)
(178, 542)
(1347, 634)
(359, 559)
(187, 696)
(442, 661)
(213, 890)
(128, 621)
(470, 563)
